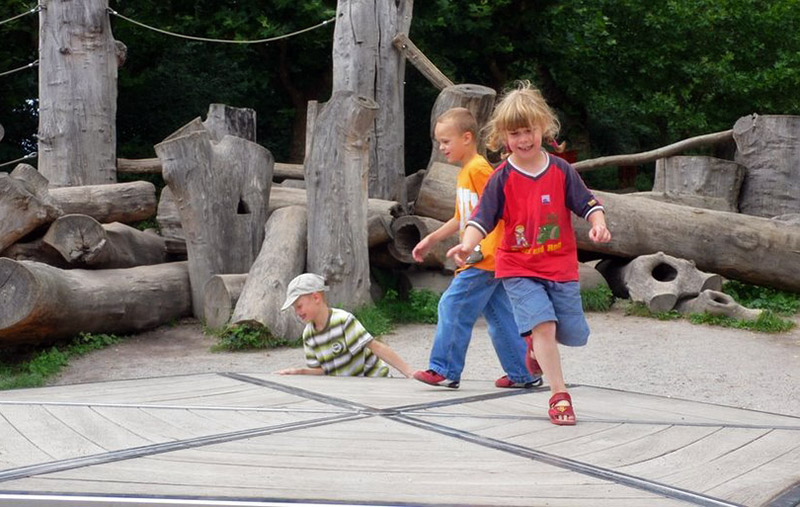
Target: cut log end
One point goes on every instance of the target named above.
(18, 289)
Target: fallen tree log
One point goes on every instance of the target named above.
(24, 204)
(83, 241)
(219, 298)
(40, 303)
(35, 250)
(409, 230)
(222, 190)
(703, 182)
(740, 247)
(115, 202)
(282, 257)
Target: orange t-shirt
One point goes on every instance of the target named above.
(469, 188)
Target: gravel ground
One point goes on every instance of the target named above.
(672, 358)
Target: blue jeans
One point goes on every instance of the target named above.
(471, 293)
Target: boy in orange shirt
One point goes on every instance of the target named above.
(474, 290)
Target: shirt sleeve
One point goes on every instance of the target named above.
(578, 197)
(311, 358)
(356, 335)
(489, 210)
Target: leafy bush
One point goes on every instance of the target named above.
(753, 296)
(250, 337)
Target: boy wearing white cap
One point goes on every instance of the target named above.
(334, 341)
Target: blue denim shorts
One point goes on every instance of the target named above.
(535, 301)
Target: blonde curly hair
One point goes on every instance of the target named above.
(522, 107)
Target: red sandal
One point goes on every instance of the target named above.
(530, 362)
(558, 412)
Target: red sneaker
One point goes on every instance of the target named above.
(504, 381)
(434, 379)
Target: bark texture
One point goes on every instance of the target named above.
(409, 230)
(40, 303)
(219, 298)
(282, 257)
(77, 93)
(25, 204)
(437, 194)
(703, 182)
(117, 202)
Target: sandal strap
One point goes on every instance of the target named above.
(561, 396)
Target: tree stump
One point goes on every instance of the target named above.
(222, 192)
(437, 194)
(408, 230)
(83, 241)
(117, 202)
(476, 98)
(25, 204)
(769, 147)
(336, 176)
(77, 93)
(282, 257)
(219, 298)
(41, 303)
(736, 246)
(168, 217)
(702, 182)
(366, 63)
(223, 120)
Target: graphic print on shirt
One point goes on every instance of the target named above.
(549, 230)
(466, 200)
(520, 239)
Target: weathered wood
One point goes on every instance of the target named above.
(83, 241)
(336, 176)
(289, 171)
(740, 247)
(168, 216)
(219, 298)
(417, 58)
(223, 120)
(77, 93)
(769, 147)
(43, 303)
(35, 250)
(222, 192)
(25, 204)
(437, 194)
(702, 182)
(478, 99)
(139, 166)
(282, 257)
(312, 111)
(653, 155)
(2, 132)
(366, 62)
(117, 202)
(408, 230)
(413, 184)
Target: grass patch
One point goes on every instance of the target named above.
(250, 337)
(767, 322)
(37, 366)
(598, 299)
(753, 296)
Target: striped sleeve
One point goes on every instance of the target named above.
(356, 336)
(311, 358)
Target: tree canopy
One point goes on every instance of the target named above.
(624, 75)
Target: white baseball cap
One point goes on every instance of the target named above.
(307, 283)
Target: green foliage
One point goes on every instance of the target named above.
(419, 306)
(374, 320)
(250, 337)
(44, 363)
(641, 310)
(767, 322)
(598, 299)
(753, 296)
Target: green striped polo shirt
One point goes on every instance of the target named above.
(341, 348)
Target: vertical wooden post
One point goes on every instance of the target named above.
(336, 178)
(366, 62)
(77, 93)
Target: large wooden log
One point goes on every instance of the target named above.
(77, 93)
(769, 147)
(24, 204)
(437, 194)
(478, 99)
(736, 246)
(42, 303)
(219, 298)
(222, 191)
(83, 241)
(117, 202)
(336, 176)
(35, 250)
(413, 54)
(366, 63)
(282, 257)
(408, 230)
(702, 182)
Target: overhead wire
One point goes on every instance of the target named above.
(26, 157)
(32, 64)
(224, 41)
(35, 9)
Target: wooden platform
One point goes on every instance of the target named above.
(253, 439)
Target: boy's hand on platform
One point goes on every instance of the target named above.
(290, 371)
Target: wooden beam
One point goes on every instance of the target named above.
(653, 155)
(139, 166)
(421, 62)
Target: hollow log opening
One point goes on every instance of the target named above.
(664, 272)
(406, 237)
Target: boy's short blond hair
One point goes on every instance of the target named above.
(522, 107)
(462, 119)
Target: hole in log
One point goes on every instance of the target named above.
(243, 208)
(719, 299)
(406, 238)
(664, 273)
